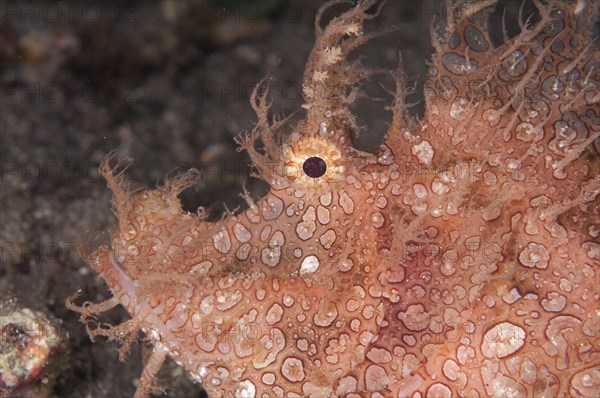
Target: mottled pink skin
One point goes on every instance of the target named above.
(462, 259)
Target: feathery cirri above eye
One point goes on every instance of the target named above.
(460, 260)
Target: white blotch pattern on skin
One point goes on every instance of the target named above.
(323, 215)
(241, 233)
(423, 152)
(309, 265)
(293, 369)
(346, 202)
(328, 238)
(221, 241)
(535, 255)
(306, 228)
(246, 389)
(502, 340)
(272, 207)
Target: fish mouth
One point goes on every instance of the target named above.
(125, 290)
(119, 282)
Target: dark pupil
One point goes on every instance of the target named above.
(314, 167)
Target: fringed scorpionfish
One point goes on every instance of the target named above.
(461, 259)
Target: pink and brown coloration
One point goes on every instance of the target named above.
(462, 259)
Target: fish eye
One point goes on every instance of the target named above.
(314, 167)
